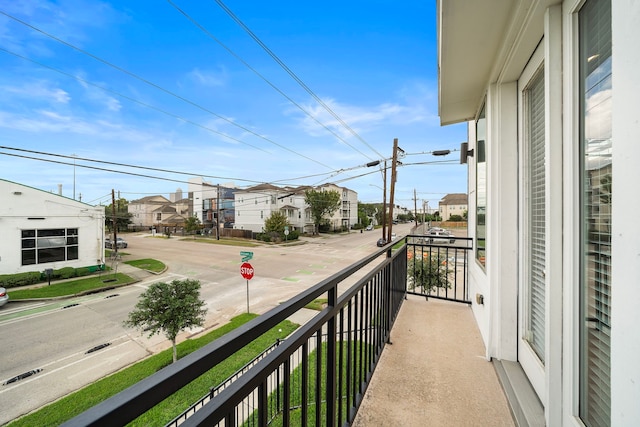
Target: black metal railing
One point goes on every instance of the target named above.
(438, 268)
(318, 375)
(214, 391)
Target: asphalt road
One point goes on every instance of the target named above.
(53, 338)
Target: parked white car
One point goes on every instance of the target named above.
(4, 297)
(440, 237)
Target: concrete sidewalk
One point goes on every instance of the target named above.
(435, 372)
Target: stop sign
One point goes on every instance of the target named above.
(246, 270)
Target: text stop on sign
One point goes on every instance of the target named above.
(246, 270)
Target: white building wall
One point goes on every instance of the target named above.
(252, 208)
(625, 339)
(498, 317)
(26, 208)
(201, 190)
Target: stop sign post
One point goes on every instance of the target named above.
(246, 271)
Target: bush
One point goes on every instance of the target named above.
(277, 237)
(83, 271)
(33, 277)
(64, 273)
(20, 279)
(456, 218)
(428, 273)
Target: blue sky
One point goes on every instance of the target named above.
(180, 86)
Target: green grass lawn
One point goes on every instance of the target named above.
(81, 400)
(147, 264)
(275, 406)
(74, 287)
(317, 304)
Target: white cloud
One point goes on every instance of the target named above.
(39, 91)
(411, 107)
(208, 78)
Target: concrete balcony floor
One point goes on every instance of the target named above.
(435, 372)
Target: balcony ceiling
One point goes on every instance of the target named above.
(470, 34)
(482, 42)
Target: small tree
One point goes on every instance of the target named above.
(169, 308)
(122, 218)
(321, 203)
(276, 222)
(428, 273)
(192, 224)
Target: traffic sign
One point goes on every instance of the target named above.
(246, 255)
(246, 270)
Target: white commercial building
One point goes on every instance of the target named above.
(42, 230)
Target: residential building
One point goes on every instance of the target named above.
(546, 87)
(453, 204)
(212, 200)
(257, 203)
(347, 215)
(42, 230)
(147, 211)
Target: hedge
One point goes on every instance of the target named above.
(33, 277)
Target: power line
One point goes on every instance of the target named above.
(144, 104)
(256, 72)
(293, 75)
(42, 153)
(135, 76)
(76, 158)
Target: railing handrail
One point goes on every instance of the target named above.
(142, 396)
(235, 393)
(225, 383)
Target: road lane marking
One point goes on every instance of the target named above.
(46, 373)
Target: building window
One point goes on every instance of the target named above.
(534, 134)
(481, 187)
(595, 142)
(261, 215)
(49, 245)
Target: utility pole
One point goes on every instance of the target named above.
(415, 207)
(218, 212)
(114, 244)
(384, 201)
(394, 161)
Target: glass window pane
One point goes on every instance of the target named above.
(595, 217)
(535, 212)
(51, 242)
(481, 187)
(28, 243)
(51, 255)
(29, 257)
(72, 252)
(51, 232)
